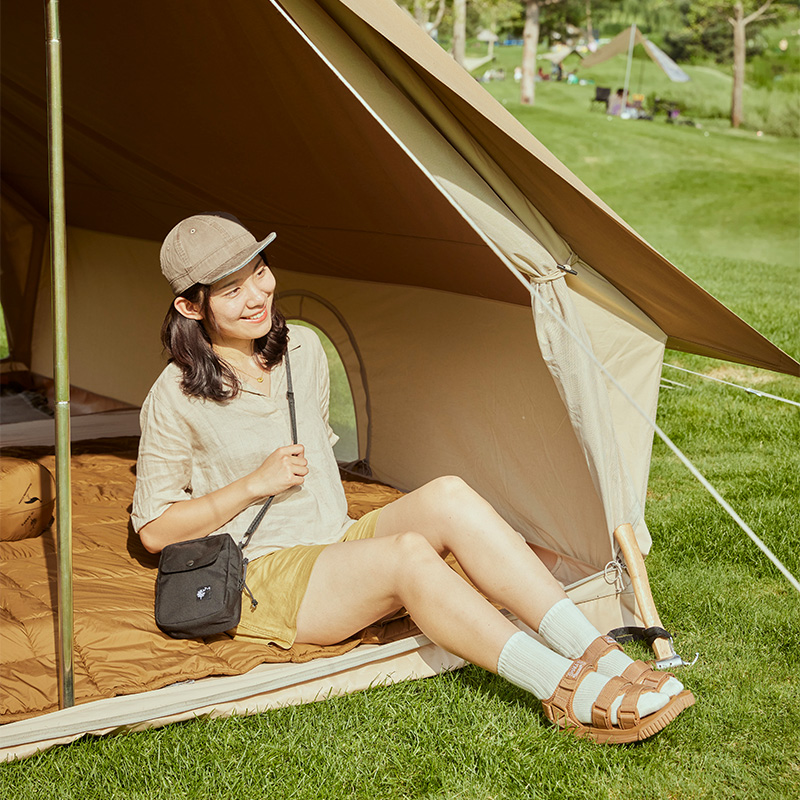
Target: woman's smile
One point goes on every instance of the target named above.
(259, 316)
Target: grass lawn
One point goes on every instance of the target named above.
(724, 207)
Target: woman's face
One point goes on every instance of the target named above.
(241, 304)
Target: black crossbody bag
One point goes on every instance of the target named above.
(200, 582)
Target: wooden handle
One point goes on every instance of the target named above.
(626, 539)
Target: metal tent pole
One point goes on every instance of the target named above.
(58, 256)
(631, 45)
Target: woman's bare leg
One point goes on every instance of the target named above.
(356, 583)
(453, 518)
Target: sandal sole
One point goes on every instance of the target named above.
(647, 727)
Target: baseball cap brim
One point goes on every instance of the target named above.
(240, 260)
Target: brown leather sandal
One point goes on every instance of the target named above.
(630, 727)
(639, 672)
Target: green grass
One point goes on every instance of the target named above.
(705, 99)
(725, 209)
(3, 336)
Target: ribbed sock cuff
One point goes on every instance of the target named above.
(566, 630)
(531, 665)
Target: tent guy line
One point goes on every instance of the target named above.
(748, 389)
(663, 436)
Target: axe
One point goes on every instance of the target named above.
(666, 656)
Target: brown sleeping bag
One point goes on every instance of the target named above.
(118, 648)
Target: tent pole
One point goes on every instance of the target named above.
(631, 45)
(58, 255)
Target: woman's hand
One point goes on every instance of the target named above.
(190, 519)
(284, 468)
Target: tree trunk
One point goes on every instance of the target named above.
(530, 46)
(739, 53)
(422, 9)
(589, 31)
(459, 30)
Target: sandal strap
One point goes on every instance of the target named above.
(601, 709)
(644, 674)
(638, 672)
(600, 647)
(559, 705)
(628, 713)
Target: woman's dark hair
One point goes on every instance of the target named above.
(189, 346)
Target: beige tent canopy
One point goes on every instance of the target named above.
(415, 218)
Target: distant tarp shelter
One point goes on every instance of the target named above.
(625, 41)
(557, 56)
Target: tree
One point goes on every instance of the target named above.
(703, 13)
(496, 15)
(740, 22)
(530, 48)
(421, 10)
(459, 30)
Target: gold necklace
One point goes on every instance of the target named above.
(259, 379)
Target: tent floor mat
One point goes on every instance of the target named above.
(118, 648)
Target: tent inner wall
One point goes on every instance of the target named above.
(510, 224)
(457, 384)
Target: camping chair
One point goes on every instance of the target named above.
(601, 95)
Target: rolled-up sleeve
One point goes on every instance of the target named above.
(323, 379)
(164, 465)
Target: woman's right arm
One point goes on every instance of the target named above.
(200, 516)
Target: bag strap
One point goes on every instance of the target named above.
(263, 510)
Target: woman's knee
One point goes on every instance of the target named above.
(413, 554)
(450, 491)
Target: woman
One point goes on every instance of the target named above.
(216, 443)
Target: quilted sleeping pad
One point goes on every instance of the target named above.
(118, 648)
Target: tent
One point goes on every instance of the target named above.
(418, 226)
(625, 41)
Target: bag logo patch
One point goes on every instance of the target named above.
(203, 592)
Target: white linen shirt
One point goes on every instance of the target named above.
(191, 447)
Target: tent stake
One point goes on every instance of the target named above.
(58, 255)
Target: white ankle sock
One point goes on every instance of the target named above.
(568, 632)
(537, 669)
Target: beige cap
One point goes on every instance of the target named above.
(207, 247)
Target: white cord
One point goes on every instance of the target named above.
(747, 389)
(674, 383)
(663, 436)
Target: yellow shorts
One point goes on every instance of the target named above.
(279, 581)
